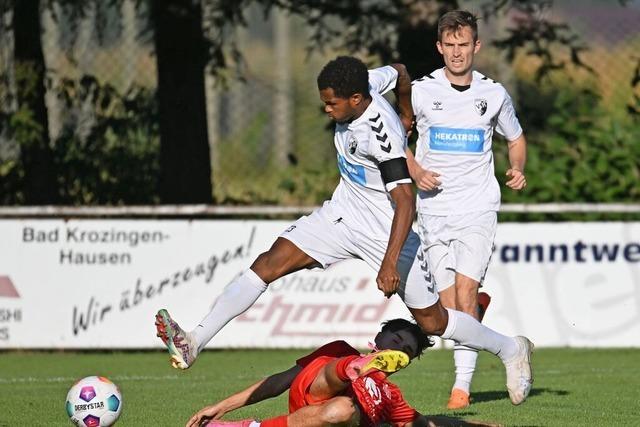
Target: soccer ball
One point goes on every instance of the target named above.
(94, 402)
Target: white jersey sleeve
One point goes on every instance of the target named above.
(508, 124)
(383, 79)
(386, 142)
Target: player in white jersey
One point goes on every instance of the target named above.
(369, 217)
(457, 110)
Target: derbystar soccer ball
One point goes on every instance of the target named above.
(94, 402)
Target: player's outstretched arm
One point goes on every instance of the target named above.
(517, 160)
(269, 387)
(388, 278)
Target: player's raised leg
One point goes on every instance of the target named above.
(282, 258)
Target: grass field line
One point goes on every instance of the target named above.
(115, 378)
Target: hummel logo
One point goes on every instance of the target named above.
(437, 105)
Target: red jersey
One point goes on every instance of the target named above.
(379, 399)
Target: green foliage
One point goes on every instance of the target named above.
(107, 152)
(253, 177)
(115, 160)
(576, 151)
(20, 130)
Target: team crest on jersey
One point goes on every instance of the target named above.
(437, 105)
(353, 145)
(481, 106)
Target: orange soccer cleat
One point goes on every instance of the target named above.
(459, 399)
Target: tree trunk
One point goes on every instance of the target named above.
(36, 154)
(185, 169)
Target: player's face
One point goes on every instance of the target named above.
(458, 49)
(339, 109)
(402, 340)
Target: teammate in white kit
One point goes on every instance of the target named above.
(369, 217)
(457, 110)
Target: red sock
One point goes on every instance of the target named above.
(341, 367)
(280, 421)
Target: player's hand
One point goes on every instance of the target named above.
(206, 414)
(427, 180)
(388, 279)
(518, 181)
(408, 123)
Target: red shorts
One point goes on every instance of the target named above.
(299, 394)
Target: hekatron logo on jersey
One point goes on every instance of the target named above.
(354, 172)
(456, 140)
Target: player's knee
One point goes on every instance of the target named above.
(270, 266)
(467, 301)
(469, 306)
(340, 411)
(448, 297)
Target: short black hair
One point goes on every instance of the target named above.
(346, 75)
(424, 341)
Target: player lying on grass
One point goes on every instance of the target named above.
(369, 217)
(335, 385)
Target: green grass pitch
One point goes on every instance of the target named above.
(573, 387)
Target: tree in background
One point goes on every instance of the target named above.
(38, 183)
(185, 42)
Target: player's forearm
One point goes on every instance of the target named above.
(403, 91)
(403, 217)
(518, 153)
(412, 164)
(241, 398)
(273, 385)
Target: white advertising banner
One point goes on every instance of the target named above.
(99, 283)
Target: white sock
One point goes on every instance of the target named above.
(465, 360)
(466, 330)
(235, 299)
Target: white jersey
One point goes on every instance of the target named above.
(455, 134)
(361, 197)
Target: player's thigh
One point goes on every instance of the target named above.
(340, 411)
(321, 235)
(282, 258)
(417, 283)
(302, 391)
(435, 239)
(473, 247)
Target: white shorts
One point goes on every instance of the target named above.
(328, 238)
(458, 243)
